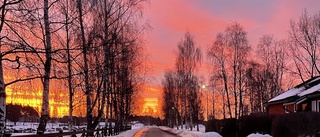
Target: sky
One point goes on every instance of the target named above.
(171, 19)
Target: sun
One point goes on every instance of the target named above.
(150, 105)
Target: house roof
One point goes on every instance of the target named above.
(308, 87)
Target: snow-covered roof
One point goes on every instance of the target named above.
(290, 93)
(310, 90)
(310, 86)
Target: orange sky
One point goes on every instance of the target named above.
(204, 19)
(170, 19)
(152, 95)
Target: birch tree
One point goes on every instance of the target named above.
(5, 6)
(69, 53)
(272, 55)
(111, 52)
(218, 54)
(188, 59)
(230, 52)
(47, 70)
(32, 30)
(237, 41)
(170, 96)
(304, 47)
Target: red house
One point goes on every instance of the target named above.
(303, 97)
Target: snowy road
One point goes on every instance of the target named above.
(153, 132)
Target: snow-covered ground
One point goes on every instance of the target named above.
(211, 134)
(135, 128)
(258, 135)
(183, 132)
(130, 133)
(53, 126)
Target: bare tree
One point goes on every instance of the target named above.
(111, 52)
(106, 52)
(237, 40)
(85, 44)
(230, 52)
(4, 9)
(189, 58)
(304, 36)
(29, 48)
(255, 84)
(218, 53)
(272, 56)
(170, 95)
(69, 53)
(47, 70)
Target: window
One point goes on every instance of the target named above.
(286, 109)
(318, 107)
(314, 106)
(304, 107)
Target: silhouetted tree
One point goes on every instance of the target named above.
(304, 45)
(171, 98)
(267, 75)
(188, 59)
(218, 53)
(5, 49)
(230, 52)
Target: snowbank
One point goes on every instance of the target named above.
(258, 135)
(182, 132)
(128, 133)
(211, 134)
(188, 133)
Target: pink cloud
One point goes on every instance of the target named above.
(170, 19)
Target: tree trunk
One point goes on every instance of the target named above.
(2, 97)
(235, 64)
(191, 119)
(225, 81)
(85, 67)
(47, 66)
(2, 84)
(106, 78)
(176, 115)
(70, 120)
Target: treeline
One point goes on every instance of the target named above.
(245, 79)
(16, 113)
(243, 76)
(94, 47)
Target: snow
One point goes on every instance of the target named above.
(289, 93)
(258, 135)
(211, 134)
(310, 90)
(128, 133)
(315, 79)
(188, 133)
(138, 126)
(301, 90)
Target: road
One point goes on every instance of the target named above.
(153, 132)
